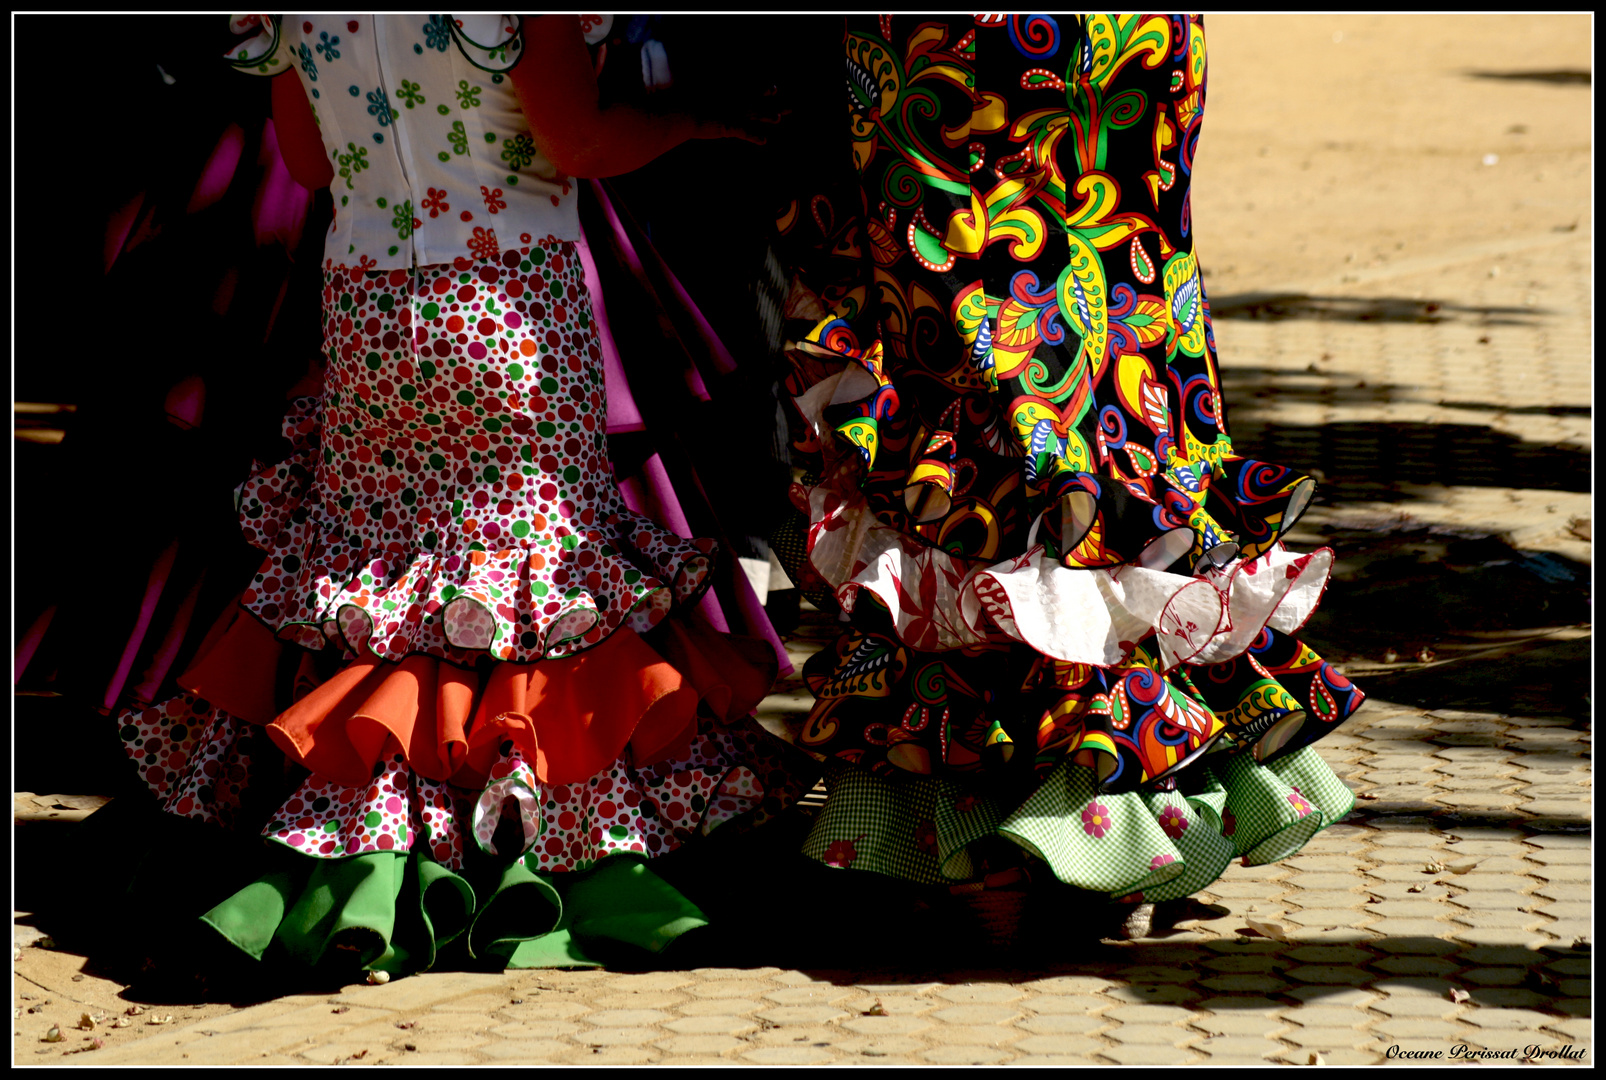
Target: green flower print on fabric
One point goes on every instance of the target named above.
(353, 163)
(410, 94)
(326, 46)
(468, 97)
(308, 64)
(458, 138)
(403, 221)
(518, 151)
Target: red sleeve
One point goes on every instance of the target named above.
(299, 141)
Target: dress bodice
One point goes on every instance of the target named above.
(433, 157)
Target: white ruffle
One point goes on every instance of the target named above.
(1096, 616)
(1279, 589)
(923, 588)
(1086, 616)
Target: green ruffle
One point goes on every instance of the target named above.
(395, 911)
(918, 828)
(1156, 845)
(620, 902)
(382, 911)
(1270, 838)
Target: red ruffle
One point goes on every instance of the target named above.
(570, 717)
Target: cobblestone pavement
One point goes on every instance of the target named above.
(1443, 391)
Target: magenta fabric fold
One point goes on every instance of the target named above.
(147, 608)
(280, 208)
(219, 170)
(750, 617)
(632, 259)
(185, 403)
(757, 621)
(145, 691)
(724, 363)
(658, 500)
(118, 226)
(28, 644)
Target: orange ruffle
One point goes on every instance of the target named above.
(732, 672)
(570, 717)
(239, 671)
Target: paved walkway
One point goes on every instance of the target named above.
(1444, 394)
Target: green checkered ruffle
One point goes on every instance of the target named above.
(1156, 845)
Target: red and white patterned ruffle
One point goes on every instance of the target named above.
(561, 593)
(728, 772)
(197, 760)
(1090, 616)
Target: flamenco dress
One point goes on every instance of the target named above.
(469, 691)
(1070, 619)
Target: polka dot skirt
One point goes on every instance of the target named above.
(195, 758)
(329, 819)
(652, 810)
(729, 773)
(451, 492)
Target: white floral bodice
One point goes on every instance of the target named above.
(433, 157)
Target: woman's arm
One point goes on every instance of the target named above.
(557, 90)
(299, 142)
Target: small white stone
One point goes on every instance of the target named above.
(1491, 159)
(378, 978)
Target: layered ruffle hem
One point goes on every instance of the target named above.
(488, 744)
(1032, 697)
(541, 776)
(552, 592)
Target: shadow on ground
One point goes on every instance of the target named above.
(1396, 461)
(1164, 974)
(1329, 387)
(1283, 306)
(1460, 620)
(1555, 77)
(1413, 582)
(1541, 679)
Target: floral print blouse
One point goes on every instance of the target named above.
(433, 158)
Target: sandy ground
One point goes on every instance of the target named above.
(52, 988)
(1335, 144)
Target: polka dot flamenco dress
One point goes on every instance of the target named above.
(1069, 648)
(467, 694)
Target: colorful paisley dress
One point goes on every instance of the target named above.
(1069, 614)
(468, 692)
